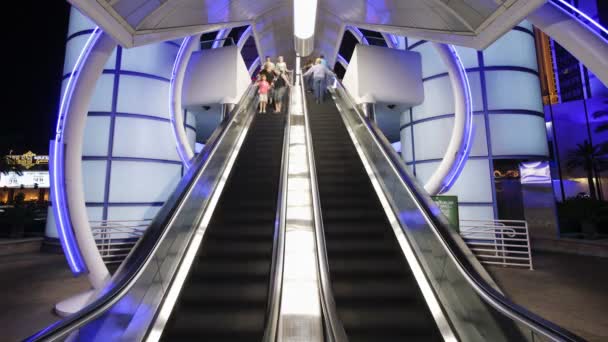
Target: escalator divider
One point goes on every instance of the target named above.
(334, 330)
(278, 248)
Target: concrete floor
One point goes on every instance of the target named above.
(31, 284)
(569, 290)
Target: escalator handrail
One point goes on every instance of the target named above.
(334, 330)
(132, 267)
(480, 285)
(278, 249)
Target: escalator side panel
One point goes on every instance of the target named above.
(226, 294)
(376, 295)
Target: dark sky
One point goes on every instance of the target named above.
(33, 62)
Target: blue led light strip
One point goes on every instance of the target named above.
(57, 165)
(582, 14)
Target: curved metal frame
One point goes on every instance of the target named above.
(67, 193)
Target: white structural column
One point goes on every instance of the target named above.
(580, 40)
(460, 142)
(77, 99)
(189, 45)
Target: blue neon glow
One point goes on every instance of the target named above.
(582, 14)
(219, 38)
(181, 149)
(465, 148)
(56, 168)
(254, 65)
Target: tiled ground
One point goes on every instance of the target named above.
(30, 284)
(569, 290)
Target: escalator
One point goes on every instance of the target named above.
(226, 295)
(376, 295)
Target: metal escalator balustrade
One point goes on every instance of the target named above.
(474, 310)
(225, 295)
(127, 307)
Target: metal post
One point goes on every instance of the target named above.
(369, 109)
(227, 108)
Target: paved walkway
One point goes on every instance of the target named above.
(31, 284)
(569, 290)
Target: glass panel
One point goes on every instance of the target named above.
(140, 95)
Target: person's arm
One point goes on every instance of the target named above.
(308, 72)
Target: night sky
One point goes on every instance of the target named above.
(33, 62)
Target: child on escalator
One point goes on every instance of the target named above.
(263, 88)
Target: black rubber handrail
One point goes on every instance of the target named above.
(129, 270)
(516, 312)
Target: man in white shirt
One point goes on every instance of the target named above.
(319, 73)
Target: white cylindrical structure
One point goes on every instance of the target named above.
(129, 163)
(581, 41)
(508, 116)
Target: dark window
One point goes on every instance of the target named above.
(348, 45)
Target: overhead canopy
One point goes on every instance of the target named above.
(472, 23)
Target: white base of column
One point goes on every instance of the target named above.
(73, 304)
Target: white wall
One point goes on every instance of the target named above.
(385, 75)
(215, 75)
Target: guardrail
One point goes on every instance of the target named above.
(498, 242)
(115, 239)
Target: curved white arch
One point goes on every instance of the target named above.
(459, 146)
(68, 200)
(184, 150)
(357, 33)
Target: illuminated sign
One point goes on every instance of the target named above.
(28, 179)
(537, 172)
(29, 159)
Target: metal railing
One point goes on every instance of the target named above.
(116, 238)
(498, 242)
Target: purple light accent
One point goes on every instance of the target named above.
(465, 148)
(106, 195)
(582, 14)
(359, 35)
(181, 150)
(56, 169)
(254, 65)
(342, 61)
(219, 38)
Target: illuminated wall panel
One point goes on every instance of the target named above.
(519, 41)
(513, 90)
(144, 139)
(514, 134)
(98, 127)
(144, 95)
(143, 182)
(94, 180)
